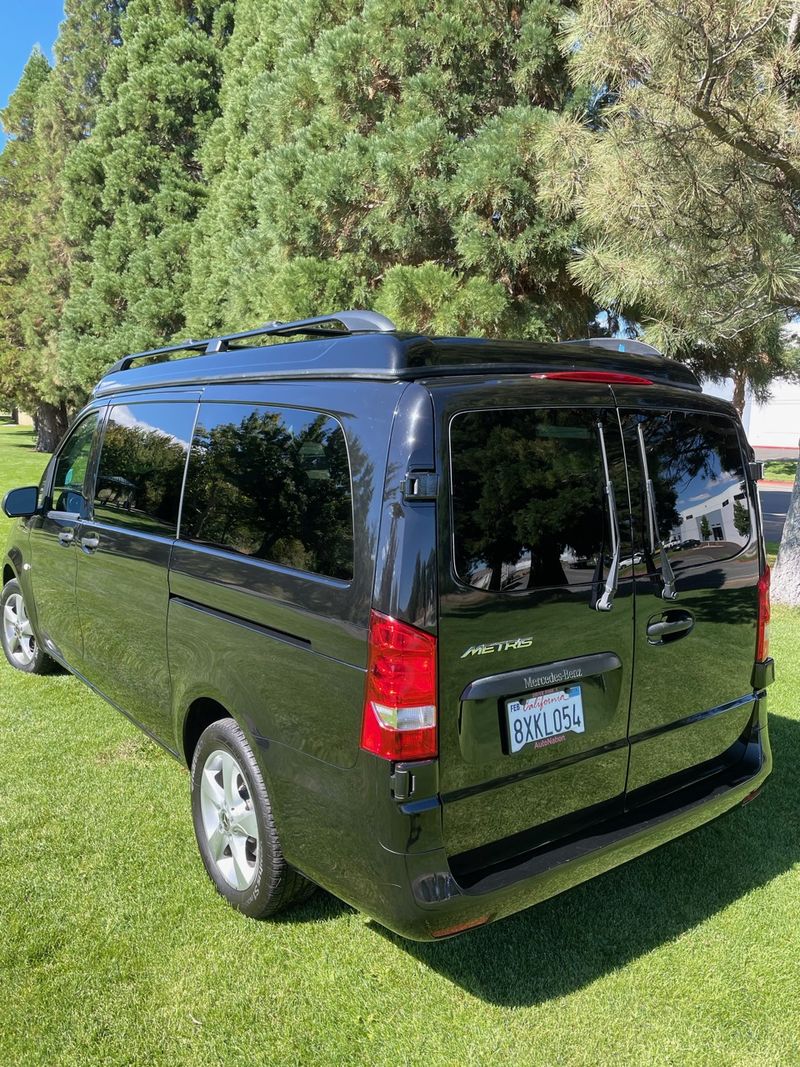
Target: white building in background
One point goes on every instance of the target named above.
(720, 512)
(773, 428)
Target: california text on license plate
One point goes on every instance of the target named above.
(540, 719)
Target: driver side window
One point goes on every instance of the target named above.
(69, 491)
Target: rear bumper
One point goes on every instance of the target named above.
(426, 897)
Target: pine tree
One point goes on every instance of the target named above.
(65, 115)
(387, 154)
(134, 188)
(689, 185)
(18, 183)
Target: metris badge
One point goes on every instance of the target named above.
(498, 646)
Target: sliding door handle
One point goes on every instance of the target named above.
(669, 626)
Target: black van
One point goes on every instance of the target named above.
(405, 606)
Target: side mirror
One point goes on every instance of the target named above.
(21, 503)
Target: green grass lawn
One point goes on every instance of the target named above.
(115, 949)
(780, 470)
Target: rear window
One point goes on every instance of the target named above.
(700, 488)
(272, 484)
(528, 497)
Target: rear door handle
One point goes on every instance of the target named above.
(89, 542)
(672, 624)
(66, 537)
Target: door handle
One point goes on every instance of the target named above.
(66, 537)
(669, 626)
(89, 542)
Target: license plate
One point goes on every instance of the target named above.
(545, 718)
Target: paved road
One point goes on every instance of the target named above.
(774, 505)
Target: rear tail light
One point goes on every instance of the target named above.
(762, 638)
(399, 720)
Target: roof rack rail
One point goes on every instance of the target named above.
(617, 344)
(352, 321)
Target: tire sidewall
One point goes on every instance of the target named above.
(228, 736)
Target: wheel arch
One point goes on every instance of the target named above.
(201, 713)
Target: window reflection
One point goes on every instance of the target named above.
(699, 482)
(69, 488)
(141, 466)
(272, 484)
(529, 498)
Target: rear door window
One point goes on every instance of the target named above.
(273, 484)
(528, 496)
(141, 467)
(699, 485)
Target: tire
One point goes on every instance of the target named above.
(235, 831)
(20, 645)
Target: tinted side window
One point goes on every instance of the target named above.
(141, 466)
(529, 497)
(69, 479)
(699, 485)
(273, 484)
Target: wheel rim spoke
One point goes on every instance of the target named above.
(211, 790)
(230, 773)
(244, 822)
(217, 843)
(241, 868)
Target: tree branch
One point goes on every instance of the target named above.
(747, 148)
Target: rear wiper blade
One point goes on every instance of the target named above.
(605, 601)
(668, 591)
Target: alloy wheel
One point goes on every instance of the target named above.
(229, 819)
(17, 632)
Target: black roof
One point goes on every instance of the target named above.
(364, 350)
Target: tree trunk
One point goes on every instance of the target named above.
(15, 415)
(786, 576)
(51, 422)
(739, 385)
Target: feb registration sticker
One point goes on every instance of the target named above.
(544, 718)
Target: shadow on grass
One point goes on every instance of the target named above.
(22, 439)
(567, 942)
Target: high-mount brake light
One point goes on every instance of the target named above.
(601, 377)
(762, 637)
(399, 720)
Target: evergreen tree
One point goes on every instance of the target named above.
(65, 116)
(387, 154)
(134, 188)
(689, 186)
(18, 183)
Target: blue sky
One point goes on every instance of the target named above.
(24, 23)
